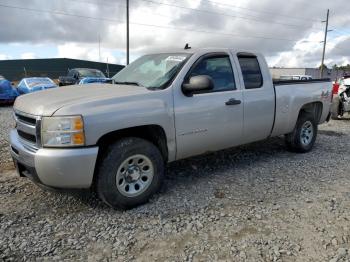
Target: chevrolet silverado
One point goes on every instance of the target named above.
(117, 138)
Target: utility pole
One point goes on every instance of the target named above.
(127, 32)
(99, 47)
(107, 69)
(324, 43)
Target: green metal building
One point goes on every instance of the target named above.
(15, 70)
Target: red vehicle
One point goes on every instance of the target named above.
(341, 98)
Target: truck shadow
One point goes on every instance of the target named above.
(191, 171)
(224, 160)
(240, 170)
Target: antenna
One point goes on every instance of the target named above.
(187, 46)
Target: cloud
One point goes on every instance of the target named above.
(28, 55)
(278, 29)
(87, 52)
(305, 51)
(5, 57)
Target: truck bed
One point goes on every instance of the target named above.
(291, 95)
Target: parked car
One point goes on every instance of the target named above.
(162, 107)
(75, 75)
(33, 84)
(341, 98)
(296, 77)
(7, 93)
(90, 80)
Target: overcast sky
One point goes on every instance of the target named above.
(289, 33)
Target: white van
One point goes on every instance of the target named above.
(296, 77)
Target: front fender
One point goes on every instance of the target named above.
(105, 116)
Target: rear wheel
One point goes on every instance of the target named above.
(304, 134)
(130, 173)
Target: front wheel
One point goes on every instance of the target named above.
(131, 171)
(304, 134)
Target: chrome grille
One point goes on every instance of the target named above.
(28, 129)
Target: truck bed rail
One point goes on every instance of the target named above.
(277, 82)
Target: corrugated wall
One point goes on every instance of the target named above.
(277, 72)
(14, 70)
(314, 72)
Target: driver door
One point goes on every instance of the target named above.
(208, 121)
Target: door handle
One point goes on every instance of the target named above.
(233, 101)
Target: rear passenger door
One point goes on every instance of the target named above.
(258, 96)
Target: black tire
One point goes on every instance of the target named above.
(294, 140)
(116, 154)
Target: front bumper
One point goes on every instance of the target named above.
(54, 167)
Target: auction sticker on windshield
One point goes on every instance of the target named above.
(175, 58)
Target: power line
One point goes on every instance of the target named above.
(225, 14)
(112, 4)
(342, 32)
(59, 13)
(342, 49)
(221, 4)
(149, 25)
(261, 11)
(96, 3)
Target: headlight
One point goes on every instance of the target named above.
(63, 131)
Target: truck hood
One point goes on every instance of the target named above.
(47, 102)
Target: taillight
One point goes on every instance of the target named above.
(335, 88)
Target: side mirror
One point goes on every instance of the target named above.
(197, 84)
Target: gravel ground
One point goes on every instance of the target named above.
(253, 203)
(6, 123)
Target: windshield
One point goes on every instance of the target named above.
(90, 73)
(33, 82)
(152, 71)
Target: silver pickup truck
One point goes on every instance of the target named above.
(116, 138)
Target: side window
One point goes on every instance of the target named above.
(22, 84)
(251, 71)
(219, 69)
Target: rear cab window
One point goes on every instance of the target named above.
(251, 71)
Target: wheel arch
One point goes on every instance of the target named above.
(314, 108)
(152, 133)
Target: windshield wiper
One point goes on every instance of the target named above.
(128, 83)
